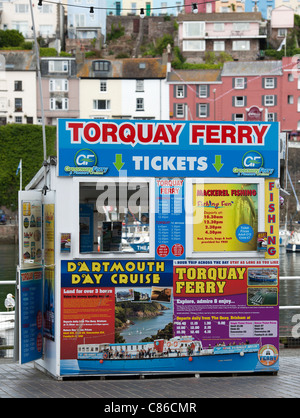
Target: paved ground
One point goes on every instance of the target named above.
(27, 382)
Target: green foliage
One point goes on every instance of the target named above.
(10, 38)
(64, 54)
(48, 52)
(21, 142)
(158, 48)
(27, 45)
(115, 33)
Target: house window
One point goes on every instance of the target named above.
(139, 85)
(270, 100)
(290, 99)
(101, 65)
(46, 30)
(219, 27)
(269, 83)
(282, 33)
(58, 66)
(139, 103)
(238, 117)
(29, 120)
(241, 45)
(21, 8)
(240, 26)
(239, 83)
(203, 110)
(290, 77)
(101, 104)
(18, 85)
(193, 29)
(179, 110)
(56, 84)
(239, 101)
(103, 86)
(79, 20)
(203, 90)
(271, 117)
(219, 45)
(59, 103)
(18, 119)
(18, 105)
(193, 45)
(179, 91)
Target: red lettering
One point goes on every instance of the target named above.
(271, 207)
(197, 131)
(160, 134)
(74, 127)
(174, 132)
(272, 240)
(212, 134)
(129, 129)
(271, 251)
(260, 133)
(272, 218)
(271, 185)
(140, 130)
(244, 133)
(228, 132)
(109, 130)
(91, 132)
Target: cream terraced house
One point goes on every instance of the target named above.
(123, 89)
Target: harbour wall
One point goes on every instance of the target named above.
(9, 234)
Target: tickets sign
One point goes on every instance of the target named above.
(160, 148)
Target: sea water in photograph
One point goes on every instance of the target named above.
(141, 328)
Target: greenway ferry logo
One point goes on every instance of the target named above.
(85, 163)
(268, 355)
(252, 163)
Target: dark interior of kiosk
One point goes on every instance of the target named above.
(114, 217)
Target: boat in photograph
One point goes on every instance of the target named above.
(293, 244)
(177, 355)
(262, 275)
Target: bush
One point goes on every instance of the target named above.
(10, 38)
(21, 142)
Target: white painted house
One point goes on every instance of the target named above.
(48, 18)
(18, 87)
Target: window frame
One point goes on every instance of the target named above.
(112, 255)
(140, 104)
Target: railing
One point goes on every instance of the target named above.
(7, 323)
(7, 329)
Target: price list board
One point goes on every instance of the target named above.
(31, 328)
(169, 218)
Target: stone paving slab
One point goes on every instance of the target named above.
(26, 381)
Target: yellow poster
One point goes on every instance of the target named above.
(225, 217)
(49, 234)
(272, 218)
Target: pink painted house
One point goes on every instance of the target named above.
(290, 96)
(207, 6)
(241, 91)
(193, 93)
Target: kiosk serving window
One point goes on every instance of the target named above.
(114, 216)
(224, 216)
